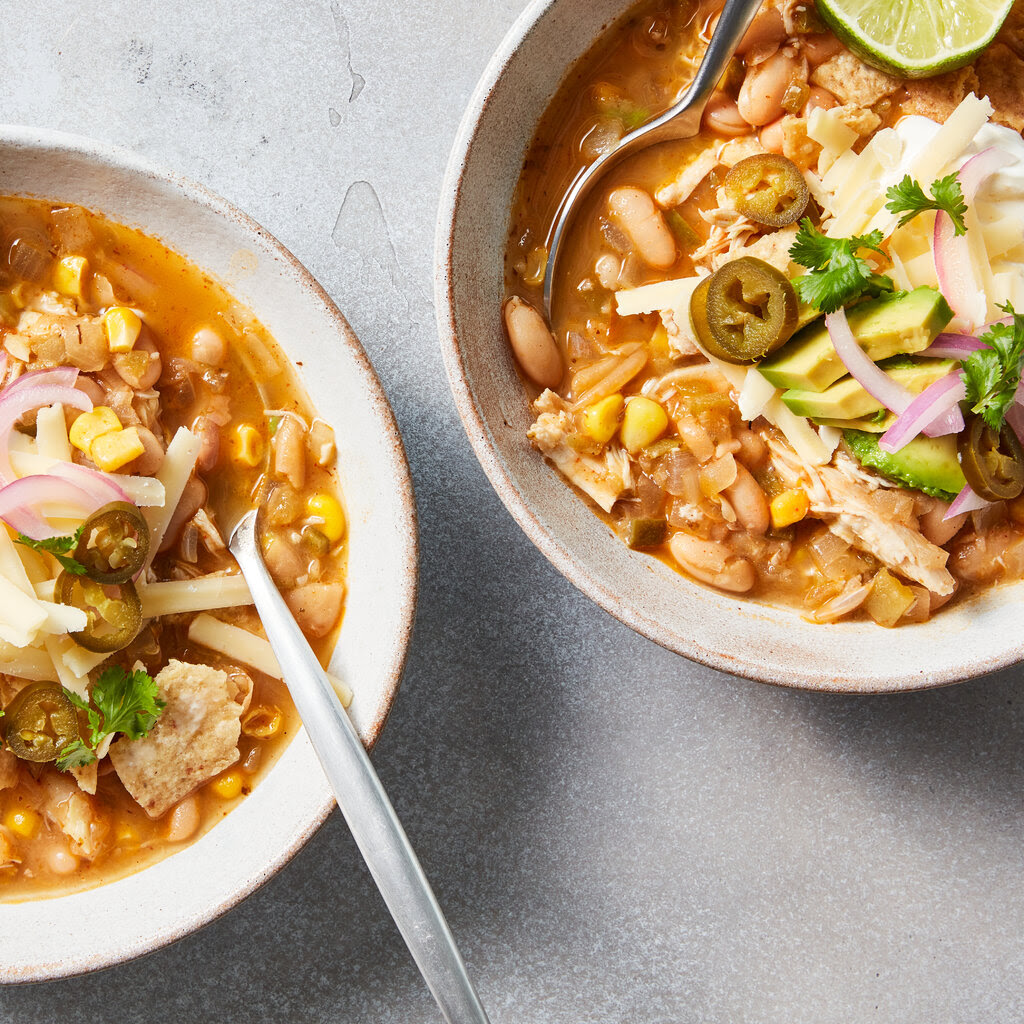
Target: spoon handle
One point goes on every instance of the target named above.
(375, 826)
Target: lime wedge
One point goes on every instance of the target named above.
(915, 38)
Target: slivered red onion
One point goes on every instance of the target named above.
(875, 381)
(16, 401)
(63, 376)
(20, 499)
(965, 501)
(1015, 417)
(101, 488)
(935, 407)
(953, 346)
(953, 266)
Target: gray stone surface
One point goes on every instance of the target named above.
(617, 835)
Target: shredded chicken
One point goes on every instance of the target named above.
(841, 495)
(604, 479)
(680, 188)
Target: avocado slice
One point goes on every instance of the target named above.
(899, 322)
(848, 400)
(876, 424)
(927, 464)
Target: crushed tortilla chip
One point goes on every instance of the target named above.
(194, 739)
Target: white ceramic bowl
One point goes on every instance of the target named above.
(40, 939)
(743, 637)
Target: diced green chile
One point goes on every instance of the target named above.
(993, 464)
(647, 533)
(114, 543)
(768, 188)
(114, 619)
(40, 722)
(744, 311)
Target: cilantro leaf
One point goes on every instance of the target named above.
(59, 548)
(75, 755)
(120, 701)
(838, 275)
(128, 702)
(909, 199)
(991, 374)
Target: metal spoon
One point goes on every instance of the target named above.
(680, 121)
(375, 826)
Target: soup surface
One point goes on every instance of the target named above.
(694, 382)
(142, 411)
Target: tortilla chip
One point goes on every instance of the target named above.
(938, 97)
(850, 80)
(1001, 77)
(194, 739)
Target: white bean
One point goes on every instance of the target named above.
(772, 138)
(748, 501)
(184, 820)
(208, 346)
(533, 343)
(607, 269)
(753, 450)
(819, 48)
(61, 861)
(637, 214)
(764, 36)
(818, 97)
(712, 563)
(937, 529)
(722, 116)
(765, 85)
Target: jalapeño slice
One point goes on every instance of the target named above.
(114, 543)
(767, 188)
(744, 311)
(113, 611)
(40, 722)
(993, 464)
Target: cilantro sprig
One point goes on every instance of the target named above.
(992, 373)
(838, 275)
(909, 199)
(59, 547)
(124, 702)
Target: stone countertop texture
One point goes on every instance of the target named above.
(616, 834)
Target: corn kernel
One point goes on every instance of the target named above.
(788, 508)
(122, 326)
(601, 420)
(248, 445)
(326, 508)
(112, 451)
(91, 425)
(659, 342)
(262, 721)
(643, 423)
(127, 834)
(229, 785)
(69, 275)
(22, 822)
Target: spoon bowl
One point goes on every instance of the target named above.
(680, 121)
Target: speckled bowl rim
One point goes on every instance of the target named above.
(475, 422)
(395, 647)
